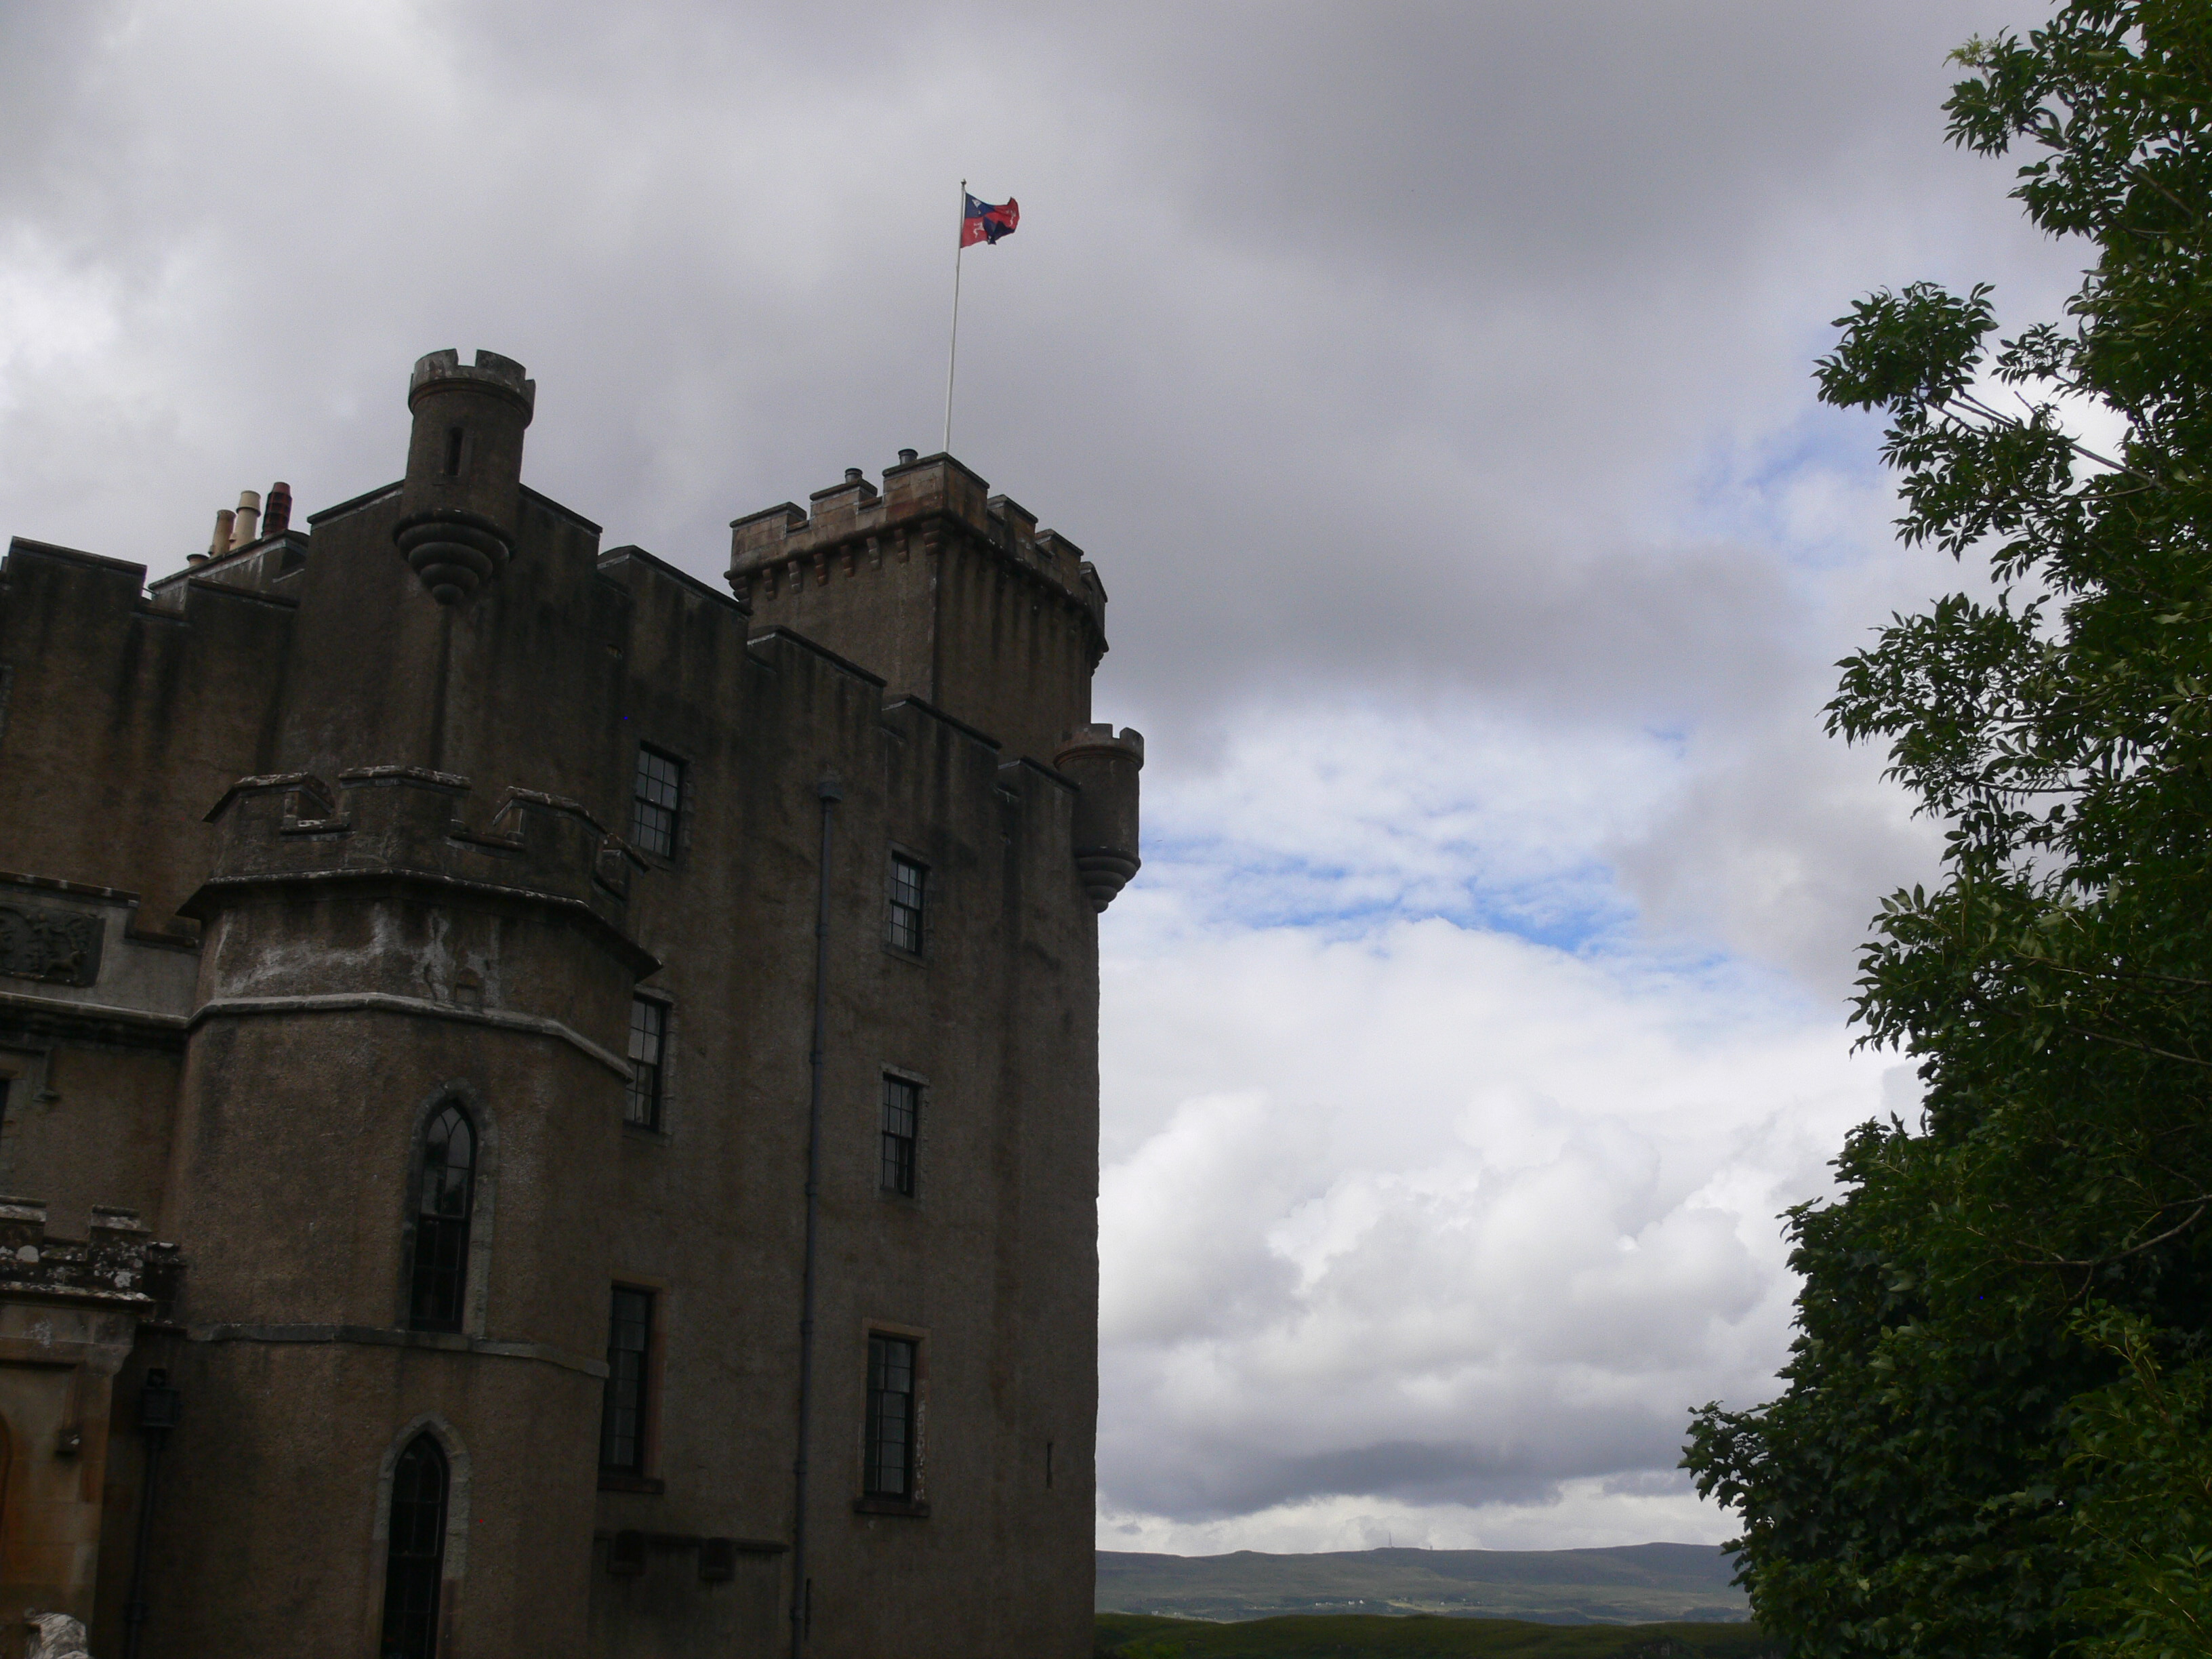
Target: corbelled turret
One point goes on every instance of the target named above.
(458, 506)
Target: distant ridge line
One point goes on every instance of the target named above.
(1621, 1583)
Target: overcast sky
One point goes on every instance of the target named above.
(1430, 384)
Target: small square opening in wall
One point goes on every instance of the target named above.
(906, 914)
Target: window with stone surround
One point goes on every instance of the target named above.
(888, 1461)
(415, 1550)
(902, 1132)
(445, 1199)
(656, 798)
(648, 1038)
(622, 1416)
(904, 918)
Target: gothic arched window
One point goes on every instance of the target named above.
(415, 1559)
(444, 1196)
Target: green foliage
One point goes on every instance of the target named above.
(1374, 1636)
(2145, 1515)
(1987, 1442)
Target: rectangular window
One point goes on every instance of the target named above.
(648, 1029)
(901, 1125)
(902, 926)
(621, 1419)
(890, 1461)
(655, 799)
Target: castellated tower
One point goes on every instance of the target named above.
(956, 597)
(521, 987)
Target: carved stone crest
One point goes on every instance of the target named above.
(59, 946)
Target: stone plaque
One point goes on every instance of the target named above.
(59, 946)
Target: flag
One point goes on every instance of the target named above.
(986, 223)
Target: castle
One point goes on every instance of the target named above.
(553, 1107)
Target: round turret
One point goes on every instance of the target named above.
(464, 484)
(1104, 768)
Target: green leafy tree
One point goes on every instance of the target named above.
(1991, 1437)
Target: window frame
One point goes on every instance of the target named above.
(398, 1586)
(636, 1473)
(900, 857)
(888, 1158)
(872, 1491)
(454, 1235)
(656, 1122)
(640, 802)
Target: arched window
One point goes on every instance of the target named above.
(445, 1196)
(414, 1561)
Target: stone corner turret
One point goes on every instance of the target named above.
(1104, 766)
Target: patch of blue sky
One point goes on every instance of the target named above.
(1575, 906)
(1814, 492)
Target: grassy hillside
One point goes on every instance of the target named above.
(1351, 1636)
(1640, 1583)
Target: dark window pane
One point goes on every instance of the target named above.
(655, 799)
(649, 1022)
(888, 1471)
(901, 1128)
(438, 1276)
(903, 918)
(415, 1557)
(621, 1419)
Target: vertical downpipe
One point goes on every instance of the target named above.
(829, 792)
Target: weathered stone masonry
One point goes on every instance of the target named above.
(413, 917)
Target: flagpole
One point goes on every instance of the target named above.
(952, 351)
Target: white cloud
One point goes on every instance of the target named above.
(1414, 1197)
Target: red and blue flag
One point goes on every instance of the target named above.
(986, 223)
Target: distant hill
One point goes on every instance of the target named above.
(1636, 1583)
(1310, 1636)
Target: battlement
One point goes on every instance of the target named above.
(120, 1263)
(409, 822)
(490, 370)
(921, 501)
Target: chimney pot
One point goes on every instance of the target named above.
(247, 524)
(905, 458)
(278, 518)
(852, 475)
(221, 543)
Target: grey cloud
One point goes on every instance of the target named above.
(1347, 341)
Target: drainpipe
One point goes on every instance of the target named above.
(828, 792)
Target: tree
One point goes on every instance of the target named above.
(1993, 1435)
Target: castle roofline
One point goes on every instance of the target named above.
(918, 500)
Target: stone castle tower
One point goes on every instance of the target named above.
(613, 1065)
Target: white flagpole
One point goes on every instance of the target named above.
(952, 352)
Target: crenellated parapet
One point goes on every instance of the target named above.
(118, 1263)
(411, 822)
(950, 592)
(925, 505)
